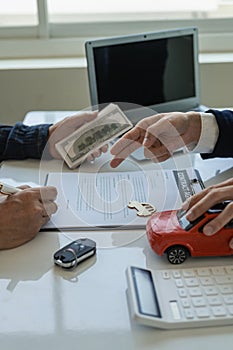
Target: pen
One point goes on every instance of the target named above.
(7, 189)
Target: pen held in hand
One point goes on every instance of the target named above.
(8, 189)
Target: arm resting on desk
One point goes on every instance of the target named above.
(21, 141)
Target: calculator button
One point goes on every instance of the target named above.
(191, 282)
(206, 281)
(198, 302)
(189, 313)
(224, 279)
(182, 292)
(202, 312)
(175, 310)
(218, 271)
(228, 299)
(229, 269)
(203, 272)
(225, 289)
(215, 301)
(230, 310)
(210, 290)
(219, 311)
(189, 273)
(179, 283)
(185, 303)
(195, 292)
(176, 274)
(166, 275)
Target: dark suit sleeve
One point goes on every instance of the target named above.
(223, 147)
(21, 141)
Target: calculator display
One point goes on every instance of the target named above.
(145, 292)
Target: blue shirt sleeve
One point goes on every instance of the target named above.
(223, 147)
(22, 141)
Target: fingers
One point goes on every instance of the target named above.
(44, 196)
(159, 134)
(66, 127)
(97, 153)
(24, 187)
(150, 140)
(115, 162)
(190, 202)
(135, 135)
(204, 200)
(220, 221)
(104, 149)
(157, 151)
(49, 208)
(78, 120)
(73, 122)
(93, 155)
(129, 143)
(123, 150)
(24, 213)
(46, 206)
(46, 193)
(201, 202)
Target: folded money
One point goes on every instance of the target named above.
(110, 123)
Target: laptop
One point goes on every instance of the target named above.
(158, 71)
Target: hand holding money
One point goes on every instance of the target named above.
(65, 127)
(100, 129)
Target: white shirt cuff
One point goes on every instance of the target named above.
(209, 134)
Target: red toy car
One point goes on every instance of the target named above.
(171, 233)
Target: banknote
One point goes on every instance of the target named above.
(110, 123)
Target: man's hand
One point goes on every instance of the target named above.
(67, 126)
(204, 200)
(24, 213)
(161, 135)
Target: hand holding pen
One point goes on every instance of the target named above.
(23, 212)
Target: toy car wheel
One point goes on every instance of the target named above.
(177, 254)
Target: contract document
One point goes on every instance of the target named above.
(100, 200)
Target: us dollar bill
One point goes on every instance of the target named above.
(110, 123)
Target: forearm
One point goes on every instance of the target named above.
(21, 141)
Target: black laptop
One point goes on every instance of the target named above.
(158, 71)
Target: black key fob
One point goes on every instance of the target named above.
(75, 252)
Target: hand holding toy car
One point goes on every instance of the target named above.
(202, 201)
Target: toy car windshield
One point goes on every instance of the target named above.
(217, 208)
(185, 223)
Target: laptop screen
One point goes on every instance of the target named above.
(155, 70)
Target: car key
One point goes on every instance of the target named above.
(74, 253)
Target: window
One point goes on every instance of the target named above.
(79, 11)
(18, 13)
(60, 27)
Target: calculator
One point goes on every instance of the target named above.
(181, 298)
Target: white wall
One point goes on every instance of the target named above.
(41, 89)
(67, 89)
(217, 84)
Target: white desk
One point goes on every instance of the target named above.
(45, 307)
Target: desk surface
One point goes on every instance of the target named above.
(45, 307)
